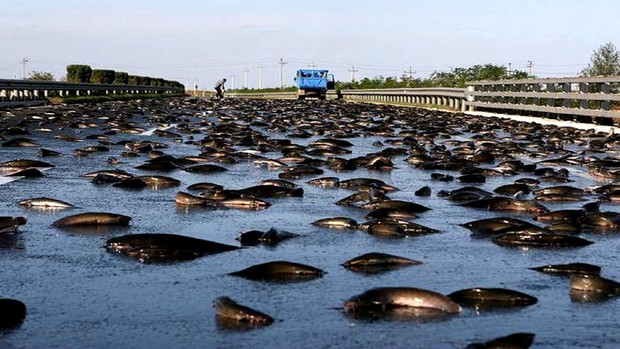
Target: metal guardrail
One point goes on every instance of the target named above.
(28, 92)
(581, 97)
(263, 95)
(449, 97)
(452, 98)
(594, 98)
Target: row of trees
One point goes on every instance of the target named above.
(456, 77)
(605, 61)
(85, 74)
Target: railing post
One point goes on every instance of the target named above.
(469, 97)
(551, 89)
(584, 88)
(566, 88)
(606, 89)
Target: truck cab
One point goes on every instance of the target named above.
(313, 83)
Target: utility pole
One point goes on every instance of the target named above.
(353, 71)
(232, 82)
(509, 69)
(245, 78)
(281, 63)
(23, 62)
(410, 72)
(260, 76)
(529, 65)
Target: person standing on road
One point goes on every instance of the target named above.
(220, 89)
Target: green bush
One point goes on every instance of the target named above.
(102, 76)
(134, 80)
(78, 73)
(121, 78)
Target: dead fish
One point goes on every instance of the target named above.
(592, 288)
(10, 224)
(157, 182)
(47, 152)
(205, 186)
(357, 183)
(124, 243)
(529, 238)
(270, 237)
(244, 203)
(569, 269)
(279, 271)
(229, 309)
(183, 198)
(92, 219)
(400, 205)
(13, 312)
(520, 340)
(278, 182)
(375, 262)
(20, 142)
(507, 204)
(336, 223)
(27, 173)
(205, 169)
(120, 174)
(44, 203)
(271, 191)
(25, 163)
(382, 298)
(324, 182)
(495, 225)
(382, 213)
(488, 298)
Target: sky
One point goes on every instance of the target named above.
(197, 42)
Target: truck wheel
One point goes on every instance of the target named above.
(301, 98)
(322, 97)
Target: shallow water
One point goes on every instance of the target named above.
(80, 296)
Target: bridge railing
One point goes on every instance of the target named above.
(449, 97)
(452, 98)
(585, 99)
(24, 91)
(263, 95)
(591, 98)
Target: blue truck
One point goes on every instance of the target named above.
(313, 83)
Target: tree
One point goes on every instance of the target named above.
(78, 73)
(40, 76)
(605, 61)
(121, 78)
(102, 76)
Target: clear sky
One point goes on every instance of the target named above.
(202, 41)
